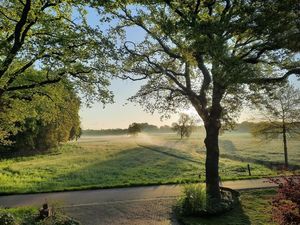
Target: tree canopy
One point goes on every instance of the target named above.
(40, 119)
(53, 36)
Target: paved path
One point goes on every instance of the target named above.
(150, 205)
(101, 196)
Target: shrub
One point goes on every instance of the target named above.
(286, 203)
(193, 200)
(7, 219)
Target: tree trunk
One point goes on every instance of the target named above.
(211, 117)
(286, 164)
(212, 161)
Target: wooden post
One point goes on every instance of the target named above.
(249, 169)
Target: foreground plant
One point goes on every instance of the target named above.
(195, 202)
(286, 204)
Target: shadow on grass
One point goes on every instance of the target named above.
(130, 167)
(230, 153)
(236, 216)
(177, 154)
(268, 164)
(228, 146)
(10, 153)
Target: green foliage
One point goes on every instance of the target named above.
(193, 200)
(40, 118)
(29, 216)
(193, 51)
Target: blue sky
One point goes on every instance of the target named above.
(122, 113)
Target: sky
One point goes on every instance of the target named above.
(122, 112)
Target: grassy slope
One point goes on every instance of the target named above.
(254, 209)
(115, 161)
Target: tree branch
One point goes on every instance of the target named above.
(276, 79)
(30, 86)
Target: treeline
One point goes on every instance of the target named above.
(244, 127)
(145, 127)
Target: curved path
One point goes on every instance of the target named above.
(134, 205)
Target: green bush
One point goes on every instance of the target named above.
(193, 200)
(7, 219)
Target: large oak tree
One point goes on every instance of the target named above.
(206, 53)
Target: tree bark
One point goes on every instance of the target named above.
(286, 164)
(212, 161)
(212, 127)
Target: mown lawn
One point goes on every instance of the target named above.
(105, 162)
(254, 209)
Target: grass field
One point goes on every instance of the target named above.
(254, 209)
(103, 162)
(240, 146)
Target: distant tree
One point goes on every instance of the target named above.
(281, 110)
(134, 129)
(185, 125)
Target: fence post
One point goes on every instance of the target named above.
(249, 169)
